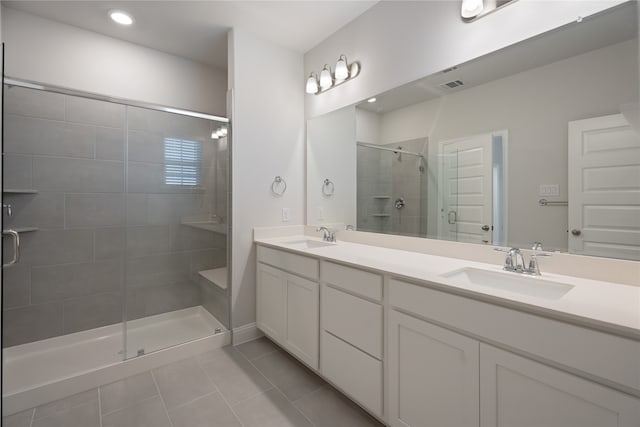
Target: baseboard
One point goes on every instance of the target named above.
(245, 333)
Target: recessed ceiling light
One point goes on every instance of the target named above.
(121, 17)
(370, 100)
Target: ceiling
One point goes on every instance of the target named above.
(197, 30)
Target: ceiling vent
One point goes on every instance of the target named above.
(452, 84)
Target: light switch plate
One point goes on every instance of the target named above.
(549, 190)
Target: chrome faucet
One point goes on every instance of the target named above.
(329, 235)
(515, 261)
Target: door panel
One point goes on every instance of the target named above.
(604, 188)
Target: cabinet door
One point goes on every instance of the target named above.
(302, 319)
(270, 303)
(433, 378)
(516, 391)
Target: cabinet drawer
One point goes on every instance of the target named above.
(356, 373)
(353, 280)
(353, 319)
(297, 264)
(570, 345)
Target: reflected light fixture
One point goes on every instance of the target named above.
(327, 80)
(221, 132)
(121, 17)
(371, 100)
(471, 8)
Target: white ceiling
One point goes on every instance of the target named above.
(197, 29)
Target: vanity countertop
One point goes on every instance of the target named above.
(608, 307)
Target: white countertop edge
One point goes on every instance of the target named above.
(582, 306)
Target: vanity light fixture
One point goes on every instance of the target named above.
(474, 9)
(471, 8)
(121, 17)
(312, 83)
(327, 80)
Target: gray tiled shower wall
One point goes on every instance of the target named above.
(385, 174)
(106, 232)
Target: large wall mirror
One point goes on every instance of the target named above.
(537, 142)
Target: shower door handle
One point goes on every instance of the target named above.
(16, 247)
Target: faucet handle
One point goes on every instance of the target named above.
(534, 266)
(536, 246)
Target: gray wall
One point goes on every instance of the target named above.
(107, 229)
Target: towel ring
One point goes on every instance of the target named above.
(278, 186)
(328, 187)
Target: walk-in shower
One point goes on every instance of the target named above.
(121, 212)
(392, 187)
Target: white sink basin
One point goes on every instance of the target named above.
(533, 286)
(307, 244)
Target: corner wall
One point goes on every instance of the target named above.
(267, 118)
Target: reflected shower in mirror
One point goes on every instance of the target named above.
(535, 142)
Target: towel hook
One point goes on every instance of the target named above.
(328, 187)
(278, 186)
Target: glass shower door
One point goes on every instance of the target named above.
(176, 230)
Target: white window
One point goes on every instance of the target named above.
(183, 159)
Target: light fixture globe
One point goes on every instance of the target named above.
(326, 81)
(354, 70)
(342, 71)
(471, 8)
(312, 84)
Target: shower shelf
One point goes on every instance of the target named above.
(381, 197)
(381, 215)
(19, 191)
(217, 276)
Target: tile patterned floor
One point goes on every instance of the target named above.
(253, 385)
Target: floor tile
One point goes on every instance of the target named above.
(85, 415)
(290, 376)
(148, 413)
(270, 409)
(181, 382)
(257, 348)
(208, 411)
(329, 408)
(127, 392)
(234, 376)
(21, 419)
(66, 403)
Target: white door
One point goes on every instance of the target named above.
(466, 189)
(515, 391)
(433, 378)
(604, 188)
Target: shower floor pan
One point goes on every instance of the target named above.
(46, 370)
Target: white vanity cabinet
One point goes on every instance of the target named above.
(351, 342)
(287, 306)
(516, 391)
(441, 377)
(434, 378)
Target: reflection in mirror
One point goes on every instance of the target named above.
(535, 142)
